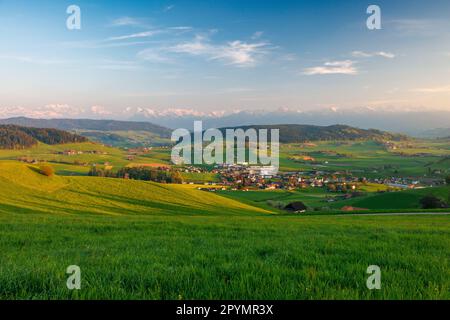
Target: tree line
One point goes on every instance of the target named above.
(16, 137)
(140, 173)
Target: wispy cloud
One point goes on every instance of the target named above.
(145, 34)
(168, 8)
(419, 27)
(100, 110)
(33, 60)
(57, 110)
(383, 54)
(238, 53)
(153, 55)
(118, 65)
(257, 35)
(181, 28)
(288, 57)
(54, 111)
(438, 89)
(102, 44)
(127, 21)
(345, 67)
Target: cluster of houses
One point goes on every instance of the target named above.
(132, 153)
(78, 152)
(289, 180)
(245, 177)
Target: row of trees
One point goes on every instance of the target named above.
(140, 173)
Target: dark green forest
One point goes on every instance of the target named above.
(16, 137)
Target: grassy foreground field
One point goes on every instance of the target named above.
(139, 240)
(224, 257)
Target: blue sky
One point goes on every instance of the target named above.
(220, 56)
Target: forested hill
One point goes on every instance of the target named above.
(16, 137)
(89, 124)
(292, 133)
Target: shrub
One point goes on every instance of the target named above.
(296, 206)
(47, 170)
(432, 202)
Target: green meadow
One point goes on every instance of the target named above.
(221, 256)
(316, 198)
(368, 158)
(141, 240)
(79, 164)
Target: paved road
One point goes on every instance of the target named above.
(397, 214)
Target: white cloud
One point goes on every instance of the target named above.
(48, 111)
(173, 112)
(145, 34)
(439, 89)
(181, 28)
(197, 47)
(333, 67)
(236, 53)
(99, 110)
(126, 21)
(240, 53)
(362, 54)
(153, 55)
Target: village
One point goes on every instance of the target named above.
(245, 177)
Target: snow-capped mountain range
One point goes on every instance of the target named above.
(408, 121)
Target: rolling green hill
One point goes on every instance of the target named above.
(24, 189)
(294, 133)
(142, 240)
(112, 132)
(88, 124)
(139, 240)
(409, 199)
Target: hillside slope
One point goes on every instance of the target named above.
(23, 189)
(408, 199)
(90, 125)
(293, 133)
(17, 137)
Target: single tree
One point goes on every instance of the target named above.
(432, 202)
(47, 170)
(296, 206)
(176, 177)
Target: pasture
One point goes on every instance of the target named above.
(141, 240)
